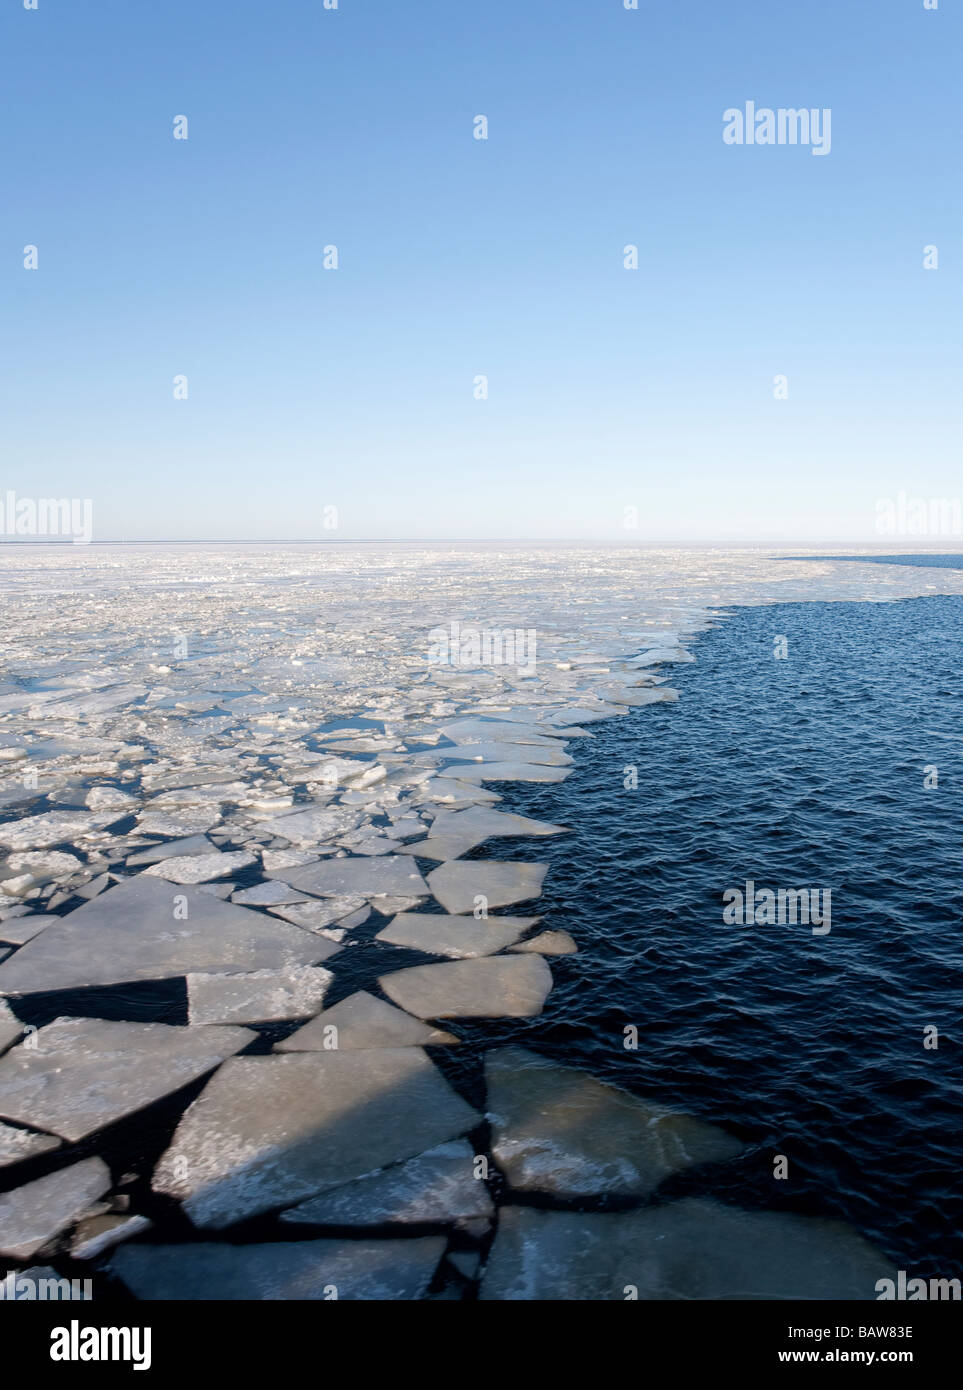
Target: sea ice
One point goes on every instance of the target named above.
(557, 1129)
(310, 1270)
(366, 878)
(263, 996)
(437, 1186)
(270, 1131)
(458, 885)
(690, 1249)
(363, 1021)
(461, 938)
(201, 868)
(148, 929)
(499, 987)
(81, 1074)
(31, 1216)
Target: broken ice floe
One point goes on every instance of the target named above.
(31, 1216)
(267, 1132)
(438, 1186)
(362, 1021)
(460, 885)
(148, 929)
(201, 868)
(557, 1129)
(443, 934)
(376, 1270)
(491, 987)
(262, 996)
(80, 1074)
(690, 1249)
(18, 1144)
(365, 878)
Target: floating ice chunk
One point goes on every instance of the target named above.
(623, 695)
(485, 731)
(88, 706)
(502, 987)
(458, 885)
(442, 847)
(510, 772)
(285, 858)
(10, 1026)
(42, 865)
(171, 849)
(311, 826)
(456, 792)
(52, 828)
(96, 1234)
(690, 1249)
(264, 996)
(557, 1129)
(187, 823)
(17, 887)
(372, 845)
(540, 755)
(548, 943)
(375, 1270)
(110, 799)
(361, 1021)
(18, 1144)
(148, 929)
(366, 878)
(487, 824)
(201, 868)
(272, 893)
(439, 1185)
(389, 905)
(270, 1131)
(314, 915)
(31, 1216)
(85, 1073)
(201, 797)
(21, 929)
(461, 938)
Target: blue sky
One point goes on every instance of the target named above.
(353, 388)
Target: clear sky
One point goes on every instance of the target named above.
(354, 388)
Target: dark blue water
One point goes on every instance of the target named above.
(807, 771)
(923, 559)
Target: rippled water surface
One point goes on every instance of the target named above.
(803, 772)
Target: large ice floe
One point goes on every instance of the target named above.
(229, 773)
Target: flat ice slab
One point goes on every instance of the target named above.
(366, 877)
(10, 1026)
(17, 1144)
(690, 1249)
(201, 868)
(31, 1216)
(486, 824)
(558, 1130)
(263, 996)
(439, 1185)
(378, 1270)
(503, 987)
(85, 1073)
(270, 1131)
(461, 938)
(138, 930)
(458, 885)
(363, 1021)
